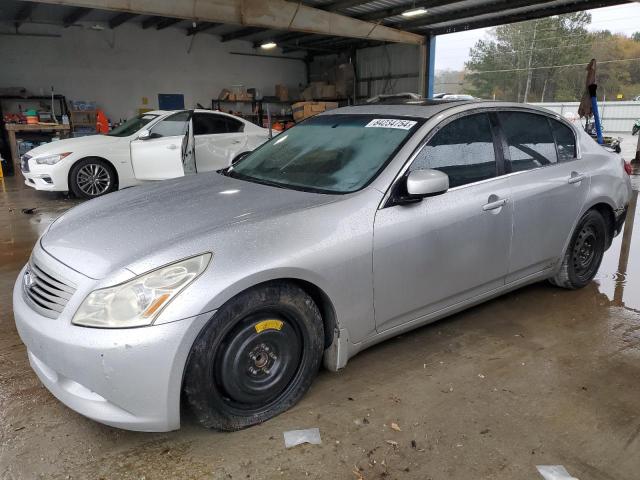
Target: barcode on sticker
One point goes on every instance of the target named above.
(391, 123)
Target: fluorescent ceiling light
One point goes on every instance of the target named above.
(414, 12)
(268, 45)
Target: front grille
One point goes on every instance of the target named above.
(24, 162)
(45, 291)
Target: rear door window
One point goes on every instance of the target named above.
(530, 141)
(463, 149)
(211, 124)
(565, 140)
(208, 124)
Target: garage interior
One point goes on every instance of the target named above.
(535, 377)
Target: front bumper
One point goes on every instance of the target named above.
(53, 178)
(126, 378)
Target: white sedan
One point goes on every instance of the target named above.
(152, 146)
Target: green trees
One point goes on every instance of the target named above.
(535, 61)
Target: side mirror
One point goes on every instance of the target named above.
(144, 135)
(427, 183)
(147, 135)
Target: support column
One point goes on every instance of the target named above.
(427, 64)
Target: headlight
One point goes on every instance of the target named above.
(138, 302)
(51, 159)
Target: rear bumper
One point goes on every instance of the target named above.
(126, 378)
(620, 217)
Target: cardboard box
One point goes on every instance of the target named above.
(307, 94)
(302, 110)
(328, 91)
(282, 92)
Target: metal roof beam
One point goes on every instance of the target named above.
(271, 14)
(521, 17)
(243, 32)
(150, 22)
(167, 22)
(342, 5)
(120, 18)
(201, 28)
(393, 11)
(484, 9)
(75, 15)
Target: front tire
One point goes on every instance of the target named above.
(584, 254)
(91, 178)
(256, 358)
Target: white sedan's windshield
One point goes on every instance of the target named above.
(327, 153)
(132, 125)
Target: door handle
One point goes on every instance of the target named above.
(575, 178)
(172, 147)
(494, 205)
(235, 141)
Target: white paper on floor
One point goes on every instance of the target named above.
(297, 437)
(554, 472)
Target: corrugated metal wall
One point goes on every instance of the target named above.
(376, 66)
(616, 117)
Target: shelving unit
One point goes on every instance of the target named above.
(258, 114)
(8, 148)
(84, 122)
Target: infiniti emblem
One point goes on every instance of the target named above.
(28, 279)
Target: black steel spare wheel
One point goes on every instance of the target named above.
(584, 254)
(256, 358)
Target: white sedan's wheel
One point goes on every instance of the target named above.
(92, 177)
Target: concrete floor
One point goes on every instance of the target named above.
(539, 376)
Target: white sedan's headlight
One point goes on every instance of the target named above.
(51, 159)
(138, 302)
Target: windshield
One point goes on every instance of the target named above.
(132, 125)
(327, 153)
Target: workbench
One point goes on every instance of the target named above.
(13, 128)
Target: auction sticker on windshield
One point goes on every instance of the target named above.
(391, 123)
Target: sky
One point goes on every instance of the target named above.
(452, 50)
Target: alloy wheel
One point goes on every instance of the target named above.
(93, 179)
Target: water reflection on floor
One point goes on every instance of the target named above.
(619, 274)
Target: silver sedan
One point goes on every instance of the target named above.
(229, 289)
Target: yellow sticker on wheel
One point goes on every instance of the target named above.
(269, 325)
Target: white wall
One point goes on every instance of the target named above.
(116, 68)
(617, 117)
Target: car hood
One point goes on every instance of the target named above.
(109, 233)
(72, 144)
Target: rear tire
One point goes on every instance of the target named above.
(256, 358)
(584, 253)
(91, 178)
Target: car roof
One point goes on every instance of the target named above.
(197, 110)
(426, 108)
(414, 108)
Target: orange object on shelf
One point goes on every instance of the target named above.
(102, 122)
